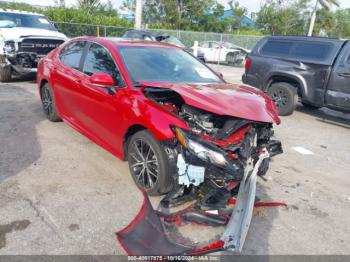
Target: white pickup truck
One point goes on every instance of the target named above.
(24, 39)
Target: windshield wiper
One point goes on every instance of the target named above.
(137, 84)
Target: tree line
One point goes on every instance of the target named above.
(275, 17)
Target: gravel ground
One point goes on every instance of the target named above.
(62, 194)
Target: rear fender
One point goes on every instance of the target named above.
(303, 90)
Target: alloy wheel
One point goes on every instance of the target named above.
(144, 164)
(280, 97)
(46, 99)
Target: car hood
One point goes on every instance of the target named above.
(235, 49)
(15, 33)
(226, 99)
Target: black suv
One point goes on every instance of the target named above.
(314, 69)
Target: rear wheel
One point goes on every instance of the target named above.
(48, 103)
(5, 73)
(285, 97)
(149, 164)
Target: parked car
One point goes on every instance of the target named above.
(160, 37)
(134, 98)
(314, 69)
(25, 38)
(223, 52)
(182, 128)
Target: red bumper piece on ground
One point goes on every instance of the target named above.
(145, 235)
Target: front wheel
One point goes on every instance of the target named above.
(149, 164)
(285, 97)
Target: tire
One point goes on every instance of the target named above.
(285, 97)
(311, 107)
(5, 73)
(48, 103)
(159, 170)
(230, 59)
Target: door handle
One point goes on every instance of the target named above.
(347, 75)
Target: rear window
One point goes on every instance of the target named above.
(297, 49)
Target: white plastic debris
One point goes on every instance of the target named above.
(189, 174)
(302, 150)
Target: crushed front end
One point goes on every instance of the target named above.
(217, 159)
(214, 154)
(22, 55)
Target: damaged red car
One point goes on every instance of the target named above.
(185, 132)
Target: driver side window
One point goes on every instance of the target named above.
(214, 45)
(204, 45)
(348, 60)
(99, 60)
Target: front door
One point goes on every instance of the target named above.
(207, 51)
(338, 90)
(99, 110)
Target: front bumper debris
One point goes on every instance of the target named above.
(148, 233)
(21, 62)
(237, 228)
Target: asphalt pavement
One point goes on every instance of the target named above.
(62, 194)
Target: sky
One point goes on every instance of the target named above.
(252, 5)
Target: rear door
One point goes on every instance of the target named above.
(338, 89)
(66, 78)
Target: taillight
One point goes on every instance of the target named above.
(247, 64)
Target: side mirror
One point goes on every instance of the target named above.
(220, 75)
(102, 79)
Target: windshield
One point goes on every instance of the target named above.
(174, 41)
(8, 20)
(228, 45)
(160, 64)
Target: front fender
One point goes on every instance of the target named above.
(153, 117)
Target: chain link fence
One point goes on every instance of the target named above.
(187, 37)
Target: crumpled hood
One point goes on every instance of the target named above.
(16, 33)
(226, 99)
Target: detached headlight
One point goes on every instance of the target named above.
(9, 47)
(203, 151)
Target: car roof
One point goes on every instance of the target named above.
(145, 32)
(305, 38)
(12, 11)
(117, 41)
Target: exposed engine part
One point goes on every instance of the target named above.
(198, 119)
(231, 126)
(248, 146)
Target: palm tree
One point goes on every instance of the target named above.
(326, 4)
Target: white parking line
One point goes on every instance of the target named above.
(302, 150)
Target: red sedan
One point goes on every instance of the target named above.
(178, 124)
